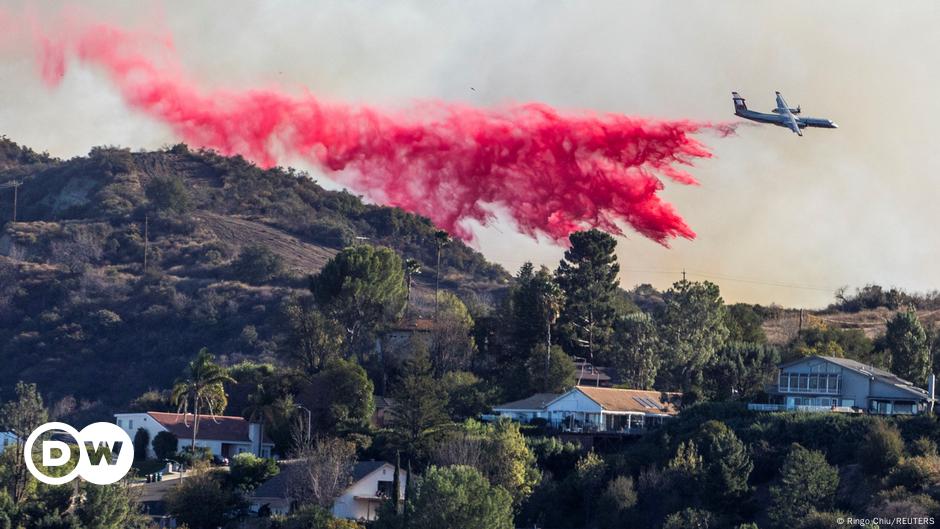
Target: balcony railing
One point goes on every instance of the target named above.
(753, 406)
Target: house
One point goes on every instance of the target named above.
(224, 436)
(383, 407)
(370, 486)
(396, 339)
(590, 375)
(611, 410)
(588, 409)
(826, 383)
(527, 409)
(7, 439)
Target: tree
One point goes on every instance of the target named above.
(807, 482)
(589, 475)
(561, 373)
(340, 397)
(467, 395)
(910, 355)
(727, 466)
(498, 450)
(262, 409)
(634, 351)
(323, 471)
(164, 445)
(459, 497)
(882, 448)
(452, 346)
(537, 302)
(313, 338)
(419, 415)
(256, 263)
(201, 388)
(361, 286)
(690, 518)
(617, 499)
(588, 278)
(741, 369)
(247, 471)
(109, 507)
(141, 442)
(200, 501)
(169, 194)
(412, 268)
(745, 324)
(21, 417)
(692, 329)
(442, 238)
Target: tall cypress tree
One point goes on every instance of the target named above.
(396, 483)
(588, 277)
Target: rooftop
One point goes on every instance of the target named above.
(214, 428)
(633, 400)
(535, 402)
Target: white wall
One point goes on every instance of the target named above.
(130, 422)
(574, 400)
(346, 506)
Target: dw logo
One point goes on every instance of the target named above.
(105, 453)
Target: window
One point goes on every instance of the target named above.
(130, 424)
(384, 489)
(119, 423)
(906, 408)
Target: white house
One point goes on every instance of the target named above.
(372, 483)
(224, 436)
(526, 409)
(594, 409)
(7, 439)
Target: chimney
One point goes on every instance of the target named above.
(254, 436)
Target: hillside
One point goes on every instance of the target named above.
(77, 306)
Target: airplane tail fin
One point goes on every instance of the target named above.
(738, 102)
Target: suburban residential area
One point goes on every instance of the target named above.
(469, 265)
(383, 390)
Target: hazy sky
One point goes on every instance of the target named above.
(779, 218)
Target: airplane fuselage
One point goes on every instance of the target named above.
(782, 116)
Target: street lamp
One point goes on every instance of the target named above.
(309, 421)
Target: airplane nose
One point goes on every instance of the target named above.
(835, 126)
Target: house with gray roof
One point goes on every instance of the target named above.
(370, 485)
(526, 409)
(826, 383)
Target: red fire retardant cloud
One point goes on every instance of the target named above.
(553, 172)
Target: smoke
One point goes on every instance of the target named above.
(553, 172)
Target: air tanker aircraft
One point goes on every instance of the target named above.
(783, 115)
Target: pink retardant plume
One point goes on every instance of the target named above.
(554, 173)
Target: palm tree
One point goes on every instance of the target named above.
(201, 387)
(412, 268)
(442, 239)
(262, 408)
(549, 300)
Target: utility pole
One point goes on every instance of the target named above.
(683, 274)
(15, 184)
(146, 239)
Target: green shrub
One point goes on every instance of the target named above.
(258, 264)
(164, 445)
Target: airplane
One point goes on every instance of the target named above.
(783, 115)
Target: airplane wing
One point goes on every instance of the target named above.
(794, 126)
(782, 106)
